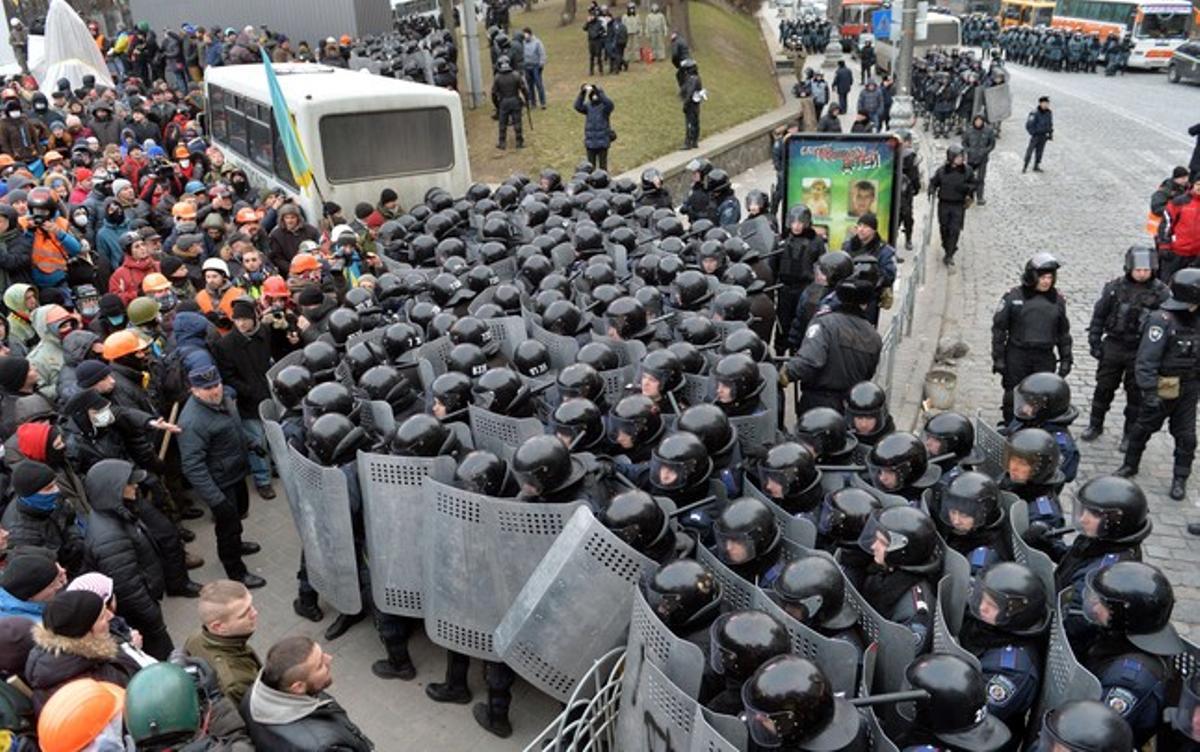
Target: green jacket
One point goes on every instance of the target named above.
(234, 661)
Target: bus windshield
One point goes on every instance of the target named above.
(1163, 26)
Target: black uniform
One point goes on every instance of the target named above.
(1113, 335)
(840, 349)
(800, 253)
(1027, 328)
(953, 185)
(510, 94)
(979, 143)
(910, 185)
(1169, 349)
(689, 89)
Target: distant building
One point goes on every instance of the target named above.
(300, 20)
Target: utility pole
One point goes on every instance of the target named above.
(903, 114)
(447, 7)
(833, 50)
(474, 75)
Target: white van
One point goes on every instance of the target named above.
(362, 133)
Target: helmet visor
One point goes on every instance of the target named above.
(889, 478)
(801, 608)
(779, 483)
(1095, 522)
(1186, 718)
(671, 475)
(575, 435)
(624, 432)
(735, 548)
(1028, 407)
(993, 607)
(961, 515)
(1098, 609)
(877, 540)
(767, 729)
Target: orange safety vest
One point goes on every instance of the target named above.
(48, 256)
(1152, 223)
(225, 306)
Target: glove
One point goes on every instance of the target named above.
(1037, 535)
(998, 368)
(1064, 368)
(784, 378)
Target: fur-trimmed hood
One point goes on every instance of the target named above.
(100, 648)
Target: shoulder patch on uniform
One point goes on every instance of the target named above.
(1000, 689)
(1003, 305)
(1155, 333)
(1120, 699)
(813, 330)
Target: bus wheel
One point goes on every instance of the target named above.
(1172, 73)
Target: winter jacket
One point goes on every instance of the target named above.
(234, 661)
(284, 722)
(979, 143)
(870, 101)
(126, 438)
(191, 330)
(55, 529)
(10, 605)
(212, 448)
(843, 80)
(829, 123)
(108, 240)
(20, 325)
(121, 545)
(244, 361)
(16, 258)
(126, 280)
(1184, 213)
(107, 130)
(56, 660)
(596, 111)
(22, 138)
(284, 245)
(534, 53)
(48, 356)
(52, 247)
(1040, 123)
(77, 347)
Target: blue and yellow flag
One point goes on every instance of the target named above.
(286, 125)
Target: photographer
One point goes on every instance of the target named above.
(278, 316)
(243, 357)
(596, 108)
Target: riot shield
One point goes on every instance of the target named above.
(394, 514)
(434, 352)
(323, 519)
(997, 101)
(897, 648)
(342, 373)
(294, 358)
(617, 382)
(799, 530)
(562, 349)
(269, 414)
(991, 445)
(1063, 678)
(713, 732)
(628, 351)
(376, 418)
(697, 389)
(879, 740)
(373, 335)
(952, 592)
(651, 640)
(758, 234)
(476, 554)
(509, 331)
(837, 658)
(725, 328)
(1037, 561)
(501, 434)
(736, 593)
(657, 716)
(574, 606)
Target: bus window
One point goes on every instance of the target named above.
(1163, 26)
(282, 170)
(1042, 16)
(219, 120)
(258, 136)
(237, 128)
(369, 145)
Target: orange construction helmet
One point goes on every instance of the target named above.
(122, 343)
(245, 215)
(51, 156)
(76, 714)
(183, 210)
(274, 286)
(181, 151)
(303, 262)
(6, 160)
(155, 282)
(345, 41)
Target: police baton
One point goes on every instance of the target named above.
(890, 698)
(842, 468)
(693, 506)
(662, 318)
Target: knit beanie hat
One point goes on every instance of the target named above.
(71, 613)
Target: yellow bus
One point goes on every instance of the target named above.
(1026, 12)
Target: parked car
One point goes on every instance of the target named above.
(1185, 64)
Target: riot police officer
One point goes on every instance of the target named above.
(686, 597)
(790, 705)
(738, 385)
(953, 184)
(801, 248)
(843, 516)
(1005, 627)
(548, 473)
(1167, 371)
(634, 427)
(812, 591)
(1084, 726)
(949, 438)
(1030, 323)
(711, 425)
(639, 520)
(841, 347)
(899, 464)
(910, 184)
(973, 522)
(1043, 400)
(510, 96)
(952, 717)
(867, 414)
(831, 268)
(907, 561)
(1131, 603)
(740, 642)
(1113, 334)
(823, 431)
(748, 541)
(789, 476)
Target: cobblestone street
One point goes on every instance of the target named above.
(1115, 140)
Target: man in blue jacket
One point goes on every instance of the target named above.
(1040, 125)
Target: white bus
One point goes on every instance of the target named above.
(361, 133)
(1157, 27)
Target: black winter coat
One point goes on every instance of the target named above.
(121, 545)
(212, 449)
(325, 729)
(244, 362)
(56, 530)
(56, 660)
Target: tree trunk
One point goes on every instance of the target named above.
(677, 15)
(569, 10)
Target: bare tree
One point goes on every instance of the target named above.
(569, 11)
(677, 13)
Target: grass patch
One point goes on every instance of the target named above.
(734, 65)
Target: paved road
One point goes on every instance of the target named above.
(1115, 139)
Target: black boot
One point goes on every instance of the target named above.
(1092, 432)
(446, 692)
(1194, 528)
(1124, 446)
(395, 667)
(492, 722)
(1178, 487)
(306, 607)
(1127, 469)
(342, 624)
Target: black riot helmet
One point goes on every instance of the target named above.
(956, 710)
(441, 323)
(1037, 265)
(951, 433)
(1141, 257)
(627, 319)
(501, 391)
(697, 330)
(788, 472)
(634, 422)
(857, 288)
(669, 227)
(669, 266)
(690, 358)
(543, 466)
(291, 384)
(360, 299)
(907, 536)
(531, 359)
(844, 514)
(578, 423)
(660, 372)
(508, 297)
(824, 430)
(387, 383)
(867, 402)
(954, 151)
(790, 703)
(450, 394)
(474, 331)
(467, 359)
(329, 397)
(363, 356)
(320, 358)
(1042, 398)
(969, 503)
(745, 531)
(680, 461)
(1134, 599)
(745, 341)
(737, 381)
(1011, 598)
(741, 641)
(1185, 287)
(422, 435)
(898, 461)
(535, 269)
(1031, 457)
(682, 593)
(799, 213)
(580, 380)
(481, 472)
(731, 305)
(711, 425)
(742, 275)
(651, 179)
(711, 250)
(448, 290)
(1085, 726)
(334, 440)
(599, 355)
(564, 318)
(636, 518)
(1118, 505)
(422, 313)
(835, 266)
(813, 592)
(690, 290)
